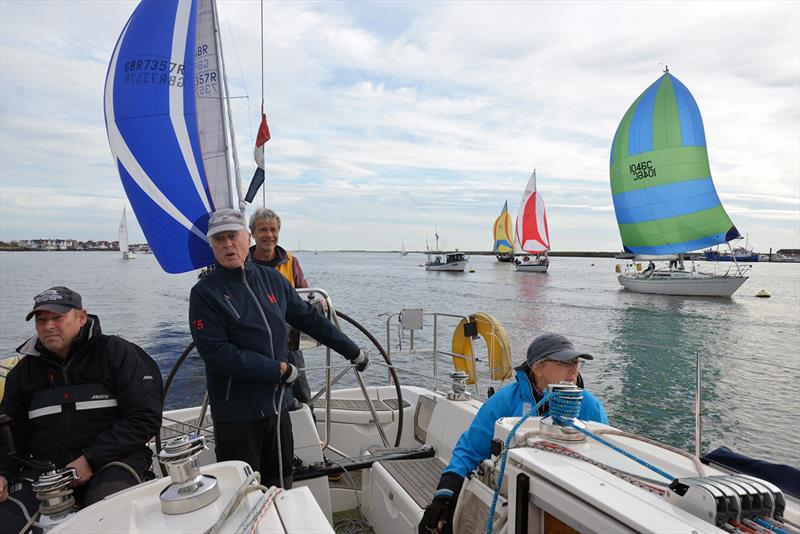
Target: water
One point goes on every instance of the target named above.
(645, 346)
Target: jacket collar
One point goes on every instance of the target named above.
(232, 274)
(32, 347)
(526, 388)
(281, 256)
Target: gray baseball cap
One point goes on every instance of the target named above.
(57, 299)
(226, 220)
(553, 347)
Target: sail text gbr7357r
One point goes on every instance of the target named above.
(169, 127)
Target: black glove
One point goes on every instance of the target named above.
(361, 361)
(439, 511)
(290, 375)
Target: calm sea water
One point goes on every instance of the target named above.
(645, 346)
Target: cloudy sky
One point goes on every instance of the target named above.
(390, 119)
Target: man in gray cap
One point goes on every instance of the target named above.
(237, 316)
(551, 359)
(79, 399)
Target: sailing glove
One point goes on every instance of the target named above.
(290, 375)
(438, 516)
(361, 361)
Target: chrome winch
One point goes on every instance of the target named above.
(55, 496)
(190, 490)
(459, 392)
(563, 409)
(722, 499)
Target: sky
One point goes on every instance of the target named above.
(392, 120)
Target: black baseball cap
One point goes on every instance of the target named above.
(57, 299)
(553, 347)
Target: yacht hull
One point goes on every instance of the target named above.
(692, 286)
(532, 268)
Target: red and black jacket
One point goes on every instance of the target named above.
(237, 318)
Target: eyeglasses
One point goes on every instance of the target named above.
(576, 362)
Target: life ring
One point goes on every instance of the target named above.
(5, 366)
(497, 345)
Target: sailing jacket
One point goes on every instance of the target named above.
(237, 318)
(286, 264)
(514, 400)
(104, 402)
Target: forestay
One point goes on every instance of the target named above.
(168, 127)
(664, 198)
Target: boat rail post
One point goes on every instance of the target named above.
(698, 406)
(435, 351)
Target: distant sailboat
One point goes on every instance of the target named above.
(664, 199)
(123, 238)
(502, 232)
(531, 236)
(403, 251)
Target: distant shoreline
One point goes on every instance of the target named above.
(564, 254)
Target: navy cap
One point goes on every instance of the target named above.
(57, 299)
(553, 347)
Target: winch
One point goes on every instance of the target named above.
(564, 407)
(459, 392)
(55, 496)
(190, 490)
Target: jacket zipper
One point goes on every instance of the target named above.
(228, 390)
(269, 330)
(231, 306)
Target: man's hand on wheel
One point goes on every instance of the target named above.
(290, 375)
(361, 361)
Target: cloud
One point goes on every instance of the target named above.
(390, 118)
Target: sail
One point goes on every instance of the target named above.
(123, 233)
(661, 185)
(532, 235)
(166, 123)
(503, 242)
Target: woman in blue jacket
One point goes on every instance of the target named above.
(551, 359)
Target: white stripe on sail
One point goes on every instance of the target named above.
(176, 108)
(122, 153)
(95, 404)
(47, 410)
(541, 223)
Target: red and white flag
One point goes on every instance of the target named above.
(261, 140)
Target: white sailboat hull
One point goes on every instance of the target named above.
(128, 256)
(681, 283)
(455, 266)
(532, 267)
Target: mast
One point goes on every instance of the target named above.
(225, 106)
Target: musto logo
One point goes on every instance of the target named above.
(642, 170)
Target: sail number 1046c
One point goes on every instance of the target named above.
(642, 170)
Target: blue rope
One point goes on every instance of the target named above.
(773, 528)
(546, 397)
(620, 450)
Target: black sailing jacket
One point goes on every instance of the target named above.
(237, 318)
(105, 402)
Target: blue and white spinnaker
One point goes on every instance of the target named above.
(169, 129)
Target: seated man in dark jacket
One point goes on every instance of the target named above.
(78, 399)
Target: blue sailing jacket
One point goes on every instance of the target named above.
(514, 400)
